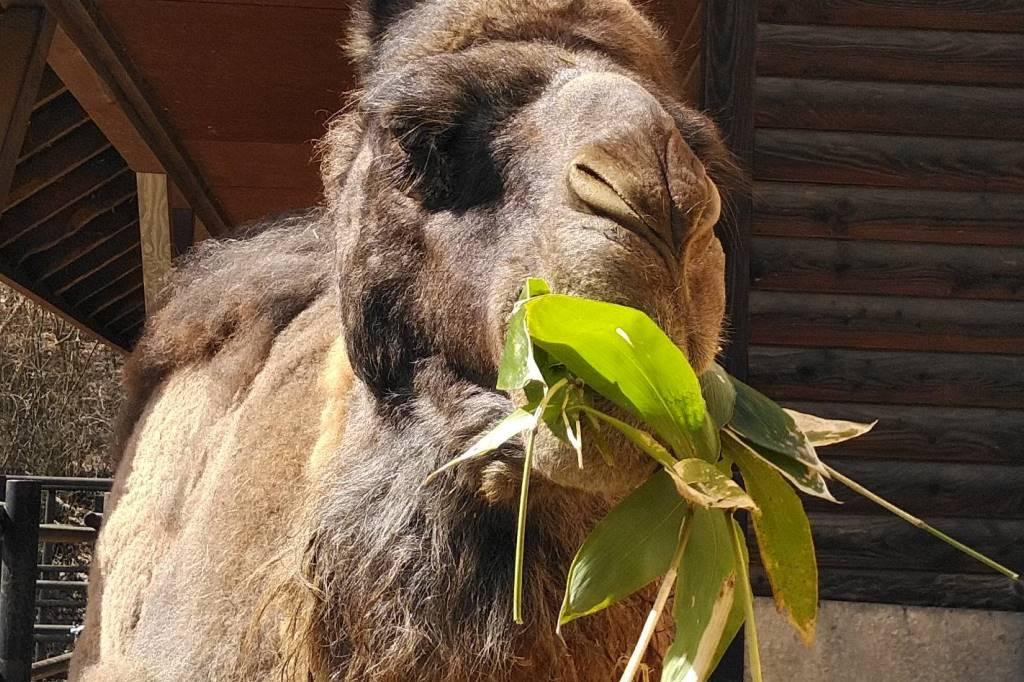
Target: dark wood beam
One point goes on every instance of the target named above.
(730, 34)
(93, 221)
(83, 23)
(124, 245)
(25, 35)
(50, 165)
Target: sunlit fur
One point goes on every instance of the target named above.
(300, 382)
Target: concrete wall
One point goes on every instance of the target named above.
(883, 643)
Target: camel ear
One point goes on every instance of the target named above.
(370, 19)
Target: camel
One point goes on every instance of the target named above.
(300, 381)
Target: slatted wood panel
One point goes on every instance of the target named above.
(887, 276)
(69, 234)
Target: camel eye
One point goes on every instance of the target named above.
(446, 155)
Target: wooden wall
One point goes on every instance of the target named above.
(887, 276)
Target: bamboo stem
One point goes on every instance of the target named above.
(914, 521)
(750, 633)
(524, 494)
(633, 665)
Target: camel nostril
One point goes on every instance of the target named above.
(630, 193)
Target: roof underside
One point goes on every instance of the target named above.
(69, 232)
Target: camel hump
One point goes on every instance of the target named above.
(253, 284)
(265, 276)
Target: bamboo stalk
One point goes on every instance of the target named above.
(914, 521)
(524, 494)
(633, 665)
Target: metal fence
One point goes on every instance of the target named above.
(34, 589)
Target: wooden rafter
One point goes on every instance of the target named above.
(90, 34)
(25, 35)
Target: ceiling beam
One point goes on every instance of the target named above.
(84, 25)
(25, 35)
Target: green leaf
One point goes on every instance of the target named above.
(745, 595)
(623, 355)
(784, 538)
(705, 590)
(503, 431)
(738, 614)
(802, 476)
(704, 485)
(519, 367)
(719, 394)
(821, 432)
(762, 422)
(628, 549)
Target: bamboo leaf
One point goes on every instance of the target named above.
(504, 431)
(738, 614)
(705, 590)
(784, 538)
(629, 548)
(719, 393)
(821, 432)
(800, 475)
(704, 485)
(519, 368)
(623, 355)
(763, 423)
(746, 596)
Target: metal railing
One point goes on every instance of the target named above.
(26, 523)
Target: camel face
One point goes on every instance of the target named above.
(500, 142)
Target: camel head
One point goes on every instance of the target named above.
(495, 140)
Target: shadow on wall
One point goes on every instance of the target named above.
(887, 643)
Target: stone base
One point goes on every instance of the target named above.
(885, 643)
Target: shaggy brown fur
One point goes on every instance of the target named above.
(300, 383)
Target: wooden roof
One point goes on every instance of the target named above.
(246, 86)
(225, 97)
(69, 230)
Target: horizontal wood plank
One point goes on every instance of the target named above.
(850, 212)
(932, 490)
(912, 588)
(892, 269)
(886, 322)
(844, 539)
(926, 433)
(955, 15)
(900, 108)
(840, 158)
(876, 54)
(946, 379)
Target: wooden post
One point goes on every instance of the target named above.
(25, 35)
(154, 234)
(18, 579)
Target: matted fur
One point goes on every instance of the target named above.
(300, 382)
